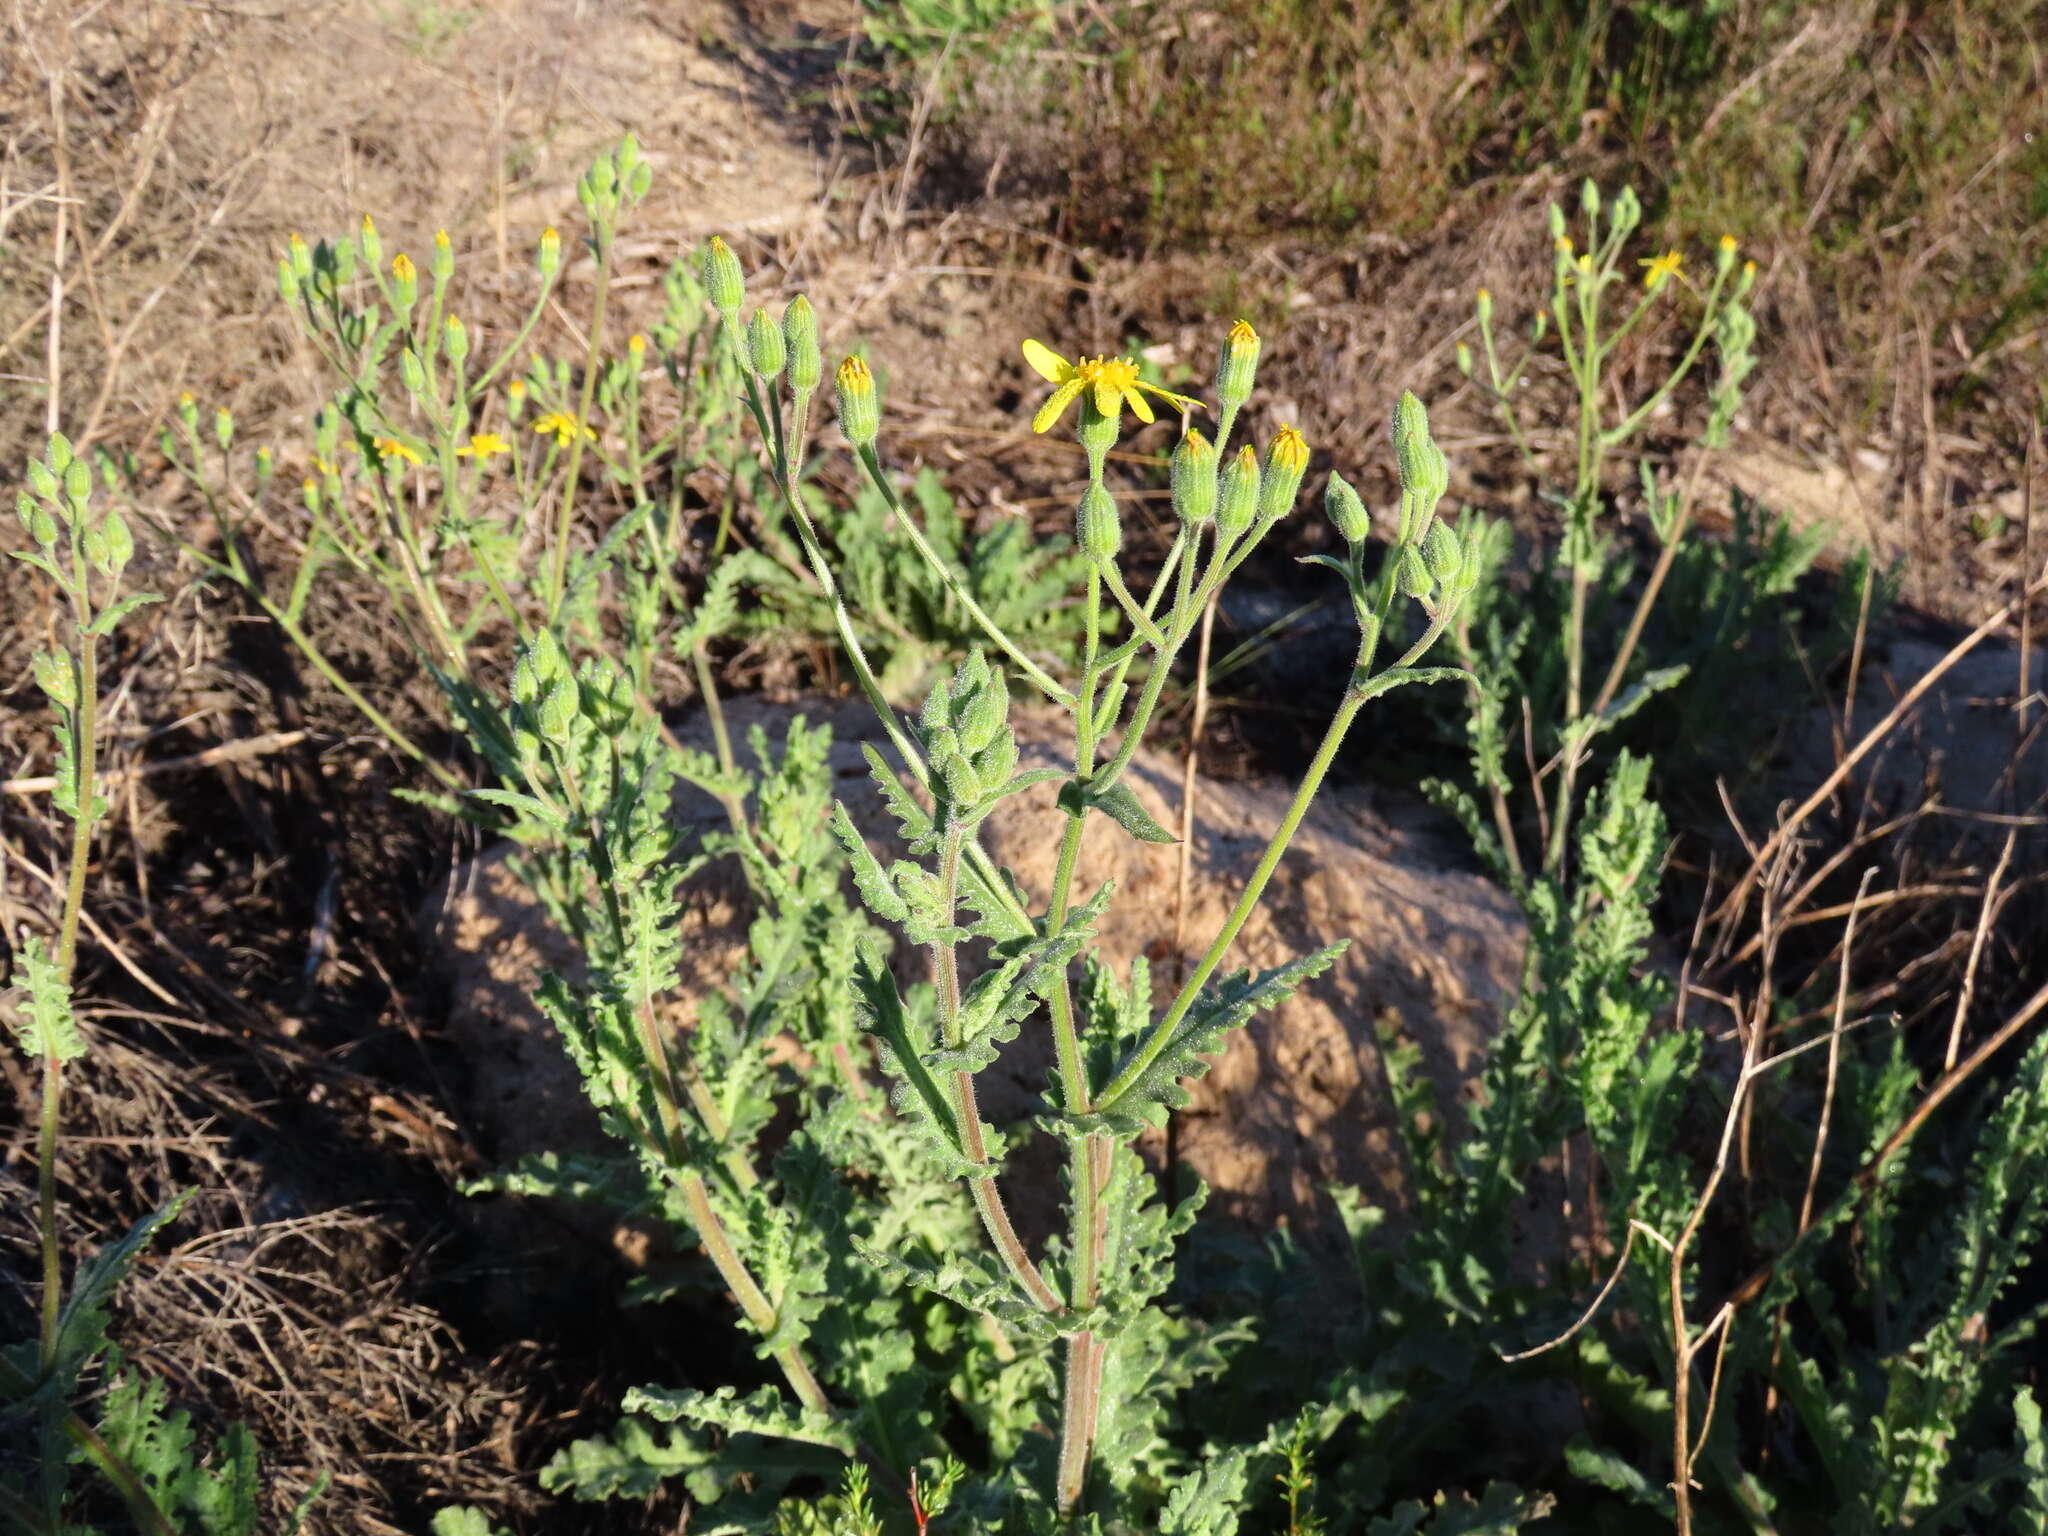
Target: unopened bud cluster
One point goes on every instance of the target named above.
(615, 179)
(965, 730)
(59, 502)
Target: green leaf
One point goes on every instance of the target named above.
(1120, 804)
(918, 1092)
(763, 1412)
(2031, 1518)
(1630, 700)
(1220, 1009)
(1396, 677)
(104, 624)
(40, 1010)
(966, 1280)
(1208, 1503)
(873, 881)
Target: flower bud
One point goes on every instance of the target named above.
(266, 465)
(556, 709)
(405, 282)
(1286, 463)
(41, 480)
(722, 279)
(607, 696)
(1414, 575)
(547, 258)
(1098, 528)
(53, 675)
(515, 401)
(444, 257)
(25, 507)
(1441, 553)
(1483, 302)
(455, 339)
(860, 413)
(411, 372)
(1724, 256)
(223, 428)
(1347, 511)
(120, 542)
(1237, 502)
(1627, 211)
(368, 243)
(59, 454)
(287, 282)
(800, 332)
(1556, 222)
(641, 180)
(188, 413)
(1239, 363)
(299, 257)
(77, 485)
(766, 347)
(1463, 356)
(42, 527)
(1193, 477)
(1413, 451)
(92, 543)
(1589, 199)
(987, 708)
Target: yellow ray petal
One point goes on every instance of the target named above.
(1048, 364)
(1139, 408)
(1062, 397)
(1107, 397)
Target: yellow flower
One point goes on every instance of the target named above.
(562, 427)
(1112, 383)
(1659, 269)
(516, 389)
(636, 344)
(403, 269)
(389, 448)
(483, 445)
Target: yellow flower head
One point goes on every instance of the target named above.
(1289, 451)
(441, 240)
(1728, 244)
(1661, 269)
(483, 445)
(516, 389)
(390, 448)
(1243, 338)
(403, 269)
(636, 344)
(1111, 382)
(561, 427)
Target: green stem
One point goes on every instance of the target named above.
(746, 1290)
(1162, 1033)
(558, 570)
(1038, 676)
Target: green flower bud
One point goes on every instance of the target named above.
(1347, 511)
(1098, 528)
(963, 784)
(223, 428)
(444, 257)
(455, 339)
(1414, 575)
(25, 507)
(1239, 363)
(1193, 476)
(405, 283)
(556, 710)
(287, 282)
(266, 465)
(1483, 303)
(641, 181)
(765, 346)
(1627, 211)
(1463, 358)
(412, 372)
(120, 542)
(53, 675)
(41, 480)
(547, 256)
(77, 485)
(299, 257)
(1556, 222)
(800, 332)
(1724, 256)
(988, 707)
(1238, 501)
(860, 413)
(1589, 199)
(1413, 450)
(59, 454)
(1441, 553)
(607, 696)
(92, 543)
(42, 527)
(1286, 463)
(368, 243)
(722, 279)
